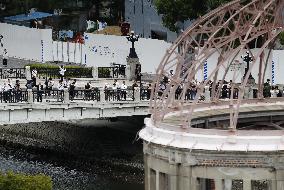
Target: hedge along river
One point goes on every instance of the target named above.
(99, 156)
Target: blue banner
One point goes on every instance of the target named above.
(273, 73)
(205, 70)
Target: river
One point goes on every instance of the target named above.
(109, 158)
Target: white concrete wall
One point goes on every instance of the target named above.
(67, 52)
(27, 43)
(275, 55)
(101, 50)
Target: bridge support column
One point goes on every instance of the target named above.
(28, 73)
(246, 184)
(95, 73)
(280, 179)
(30, 96)
(218, 184)
(66, 95)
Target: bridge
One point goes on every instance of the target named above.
(56, 105)
(236, 142)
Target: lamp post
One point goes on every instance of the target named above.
(132, 38)
(248, 59)
(1, 43)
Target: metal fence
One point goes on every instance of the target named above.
(119, 95)
(85, 95)
(70, 72)
(112, 72)
(13, 96)
(48, 95)
(16, 73)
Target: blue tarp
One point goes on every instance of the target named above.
(31, 16)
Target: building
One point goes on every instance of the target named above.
(145, 20)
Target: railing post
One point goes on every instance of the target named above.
(102, 95)
(66, 96)
(28, 73)
(127, 72)
(30, 96)
(95, 73)
(137, 94)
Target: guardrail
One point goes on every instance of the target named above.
(85, 95)
(119, 95)
(85, 72)
(13, 96)
(15, 73)
(48, 95)
(112, 72)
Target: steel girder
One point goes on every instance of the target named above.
(227, 30)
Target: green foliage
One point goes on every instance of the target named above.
(72, 71)
(104, 72)
(12, 181)
(281, 38)
(52, 66)
(181, 10)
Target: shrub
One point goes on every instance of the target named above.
(13, 181)
(49, 70)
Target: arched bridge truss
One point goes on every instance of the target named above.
(228, 30)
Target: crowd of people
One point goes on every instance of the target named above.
(223, 90)
(55, 88)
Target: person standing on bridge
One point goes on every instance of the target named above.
(5, 58)
(6, 91)
(62, 71)
(39, 92)
(123, 90)
(72, 89)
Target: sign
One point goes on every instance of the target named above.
(273, 73)
(236, 66)
(205, 70)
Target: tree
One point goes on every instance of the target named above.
(173, 11)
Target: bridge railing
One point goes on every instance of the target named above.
(12, 73)
(70, 72)
(48, 95)
(13, 96)
(145, 94)
(119, 95)
(85, 95)
(112, 72)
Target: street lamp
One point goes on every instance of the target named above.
(247, 58)
(1, 43)
(132, 38)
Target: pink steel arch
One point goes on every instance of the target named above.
(228, 30)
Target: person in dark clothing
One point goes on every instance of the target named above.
(87, 91)
(266, 89)
(39, 88)
(17, 91)
(72, 90)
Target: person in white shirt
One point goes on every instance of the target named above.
(9, 84)
(62, 71)
(5, 90)
(123, 90)
(66, 83)
(116, 83)
(60, 86)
